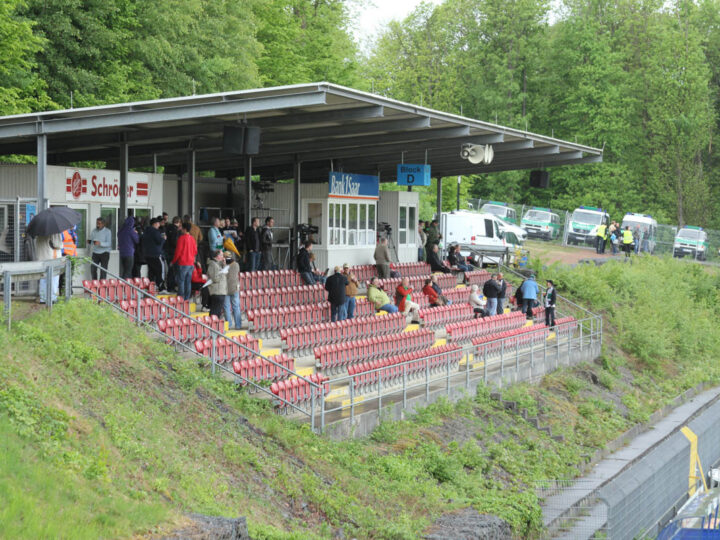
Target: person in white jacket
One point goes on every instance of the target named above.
(48, 248)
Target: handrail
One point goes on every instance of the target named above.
(212, 332)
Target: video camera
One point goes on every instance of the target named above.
(384, 228)
(263, 187)
(305, 230)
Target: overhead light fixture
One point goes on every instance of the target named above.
(477, 154)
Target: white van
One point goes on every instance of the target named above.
(476, 231)
(584, 224)
(648, 229)
(500, 209)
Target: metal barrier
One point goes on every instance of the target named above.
(215, 335)
(24, 271)
(515, 363)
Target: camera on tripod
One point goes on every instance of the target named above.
(305, 231)
(384, 228)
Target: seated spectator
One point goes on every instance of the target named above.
(197, 280)
(403, 299)
(433, 297)
(304, 266)
(436, 264)
(456, 259)
(478, 304)
(436, 287)
(379, 298)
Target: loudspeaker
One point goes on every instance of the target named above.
(539, 179)
(241, 140)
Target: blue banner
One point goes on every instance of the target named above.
(413, 175)
(358, 186)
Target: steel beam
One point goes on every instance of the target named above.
(438, 202)
(41, 171)
(248, 191)
(123, 166)
(296, 207)
(191, 183)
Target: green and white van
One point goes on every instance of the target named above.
(584, 224)
(691, 241)
(648, 229)
(501, 210)
(541, 223)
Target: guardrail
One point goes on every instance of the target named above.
(141, 293)
(25, 271)
(511, 361)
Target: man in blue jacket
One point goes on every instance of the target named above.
(128, 240)
(529, 291)
(152, 245)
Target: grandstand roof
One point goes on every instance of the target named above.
(311, 123)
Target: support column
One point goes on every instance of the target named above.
(296, 207)
(230, 197)
(457, 205)
(181, 209)
(439, 198)
(123, 163)
(191, 184)
(41, 171)
(248, 191)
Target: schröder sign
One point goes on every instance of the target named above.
(101, 186)
(409, 174)
(354, 186)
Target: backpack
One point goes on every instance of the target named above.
(29, 247)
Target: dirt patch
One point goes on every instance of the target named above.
(211, 528)
(553, 253)
(468, 524)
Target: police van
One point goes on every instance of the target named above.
(541, 223)
(648, 229)
(501, 210)
(584, 224)
(691, 241)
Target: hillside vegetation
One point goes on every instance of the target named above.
(105, 432)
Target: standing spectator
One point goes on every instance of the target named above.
(421, 241)
(351, 291)
(184, 258)
(128, 240)
(491, 289)
(266, 244)
(432, 237)
(379, 298)
(436, 265)
(637, 239)
(304, 267)
(232, 299)
(252, 246)
(614, 242)
(550, 299)
(478, 304)
(502, 294)
(217, 273)
(48, 248)
(529, 292)
(197, 234)
(433, 297)
(335, 286)
(403, 300)
(600, 239)
(100, 244)
(152, 246)
(172, 231)
(382, 258)
(69, 249)
(627, 239)
(139, 258)
(197, 280)
(215, 237)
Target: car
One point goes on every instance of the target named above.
(501, 210)
(541, 223)
(477, 233)
(584, 224)
(691, 241)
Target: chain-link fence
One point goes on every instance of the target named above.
(571, 509)
(15, 214)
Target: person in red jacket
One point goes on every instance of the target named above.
(185, 253)
(403, 295)
(431, 293)
(197, 280)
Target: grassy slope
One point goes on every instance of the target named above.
(107, 429)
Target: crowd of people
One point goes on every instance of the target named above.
(629, 240)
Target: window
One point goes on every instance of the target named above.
(351, 224)
(109, 214)
(314, 218)
(407, 226)
(81, 229)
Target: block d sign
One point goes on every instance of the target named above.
(413, 175)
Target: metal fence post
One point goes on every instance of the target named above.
(352, 399)
(467, 368)
(213, 352)
(404, 386)
(312, 409)
(137, 311)
(322, 409)
(485, 365)
(517, 356)
(502, 359)
(49, 287)
(68, 279)
(16, 235)
(427, 380)
(8, 298)
(581, 337)
(379, 391)
(447, 378)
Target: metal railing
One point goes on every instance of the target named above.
(512, 359)
(25, 271)
(215, 335)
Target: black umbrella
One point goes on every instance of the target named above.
(53, 221)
